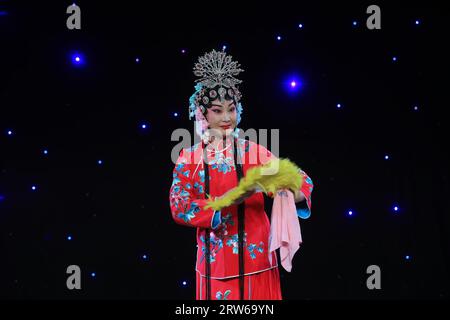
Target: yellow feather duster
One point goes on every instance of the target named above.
(274, 175)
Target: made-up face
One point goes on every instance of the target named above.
(221, 117)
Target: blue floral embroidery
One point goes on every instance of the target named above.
(178, 196)
(220, 235)
(222, 163)
(175, 180)
(252, 248)
(215, 245)
(188, 215)
(179, 167)
(186, 173)
(233, 242)
(224, 296)
(221, 232)
(198, 187)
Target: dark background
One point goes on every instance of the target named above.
(118, 211)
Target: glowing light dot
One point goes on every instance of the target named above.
(417, 22)
(338, 105)
(77, 59)
(292, 84)
(350, 213)
(416, 108)
(300, 25)
(224, 47)
(9, 132)
(386, 157)
(175, 114)
(278, 38)
(183, 51)
(69, 238)
(93, 274)
(394, 58)
(99, 161)
(395, 208)
(45, 152)
(407, 257)
(137, 60)
(144, 126)
(355, 23)
(184, 283)
(33, 188)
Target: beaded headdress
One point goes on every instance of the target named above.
(216, 72)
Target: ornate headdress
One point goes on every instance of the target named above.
(216, 72)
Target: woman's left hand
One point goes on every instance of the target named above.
(298, 196)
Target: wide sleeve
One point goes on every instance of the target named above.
(304, 207)
(188, 209)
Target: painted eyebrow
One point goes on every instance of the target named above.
(218, 105)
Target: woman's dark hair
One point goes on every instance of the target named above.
(218, 92)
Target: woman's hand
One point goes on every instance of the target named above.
(298, 196)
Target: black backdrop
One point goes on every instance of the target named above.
(118, 211)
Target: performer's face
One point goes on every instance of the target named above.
(221, 117)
